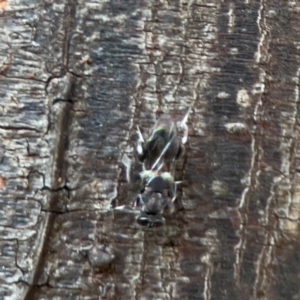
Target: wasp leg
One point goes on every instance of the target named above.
(184, 120)
(185, 127)
(127, 163)
(140, 150)
(181, 152)
(140, 134)
(185, 133)
(170, 208)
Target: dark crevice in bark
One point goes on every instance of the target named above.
(71, 101)
(59, 170)
(77, 75)
(50, 79)
(19, 128)
(62, 145)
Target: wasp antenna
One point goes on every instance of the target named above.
(162, 153)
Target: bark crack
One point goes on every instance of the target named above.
(256, 141)
(58, 174)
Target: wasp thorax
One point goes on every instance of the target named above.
(163, 145)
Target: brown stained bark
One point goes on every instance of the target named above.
(76, 79)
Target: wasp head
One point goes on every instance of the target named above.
(150, 221)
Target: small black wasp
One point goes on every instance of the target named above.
(158, 189)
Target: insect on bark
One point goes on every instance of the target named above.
(160, 151)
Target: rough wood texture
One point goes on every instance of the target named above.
(75, 79)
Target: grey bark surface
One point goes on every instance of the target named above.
(76, 77)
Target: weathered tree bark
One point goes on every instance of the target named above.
(77, 77)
